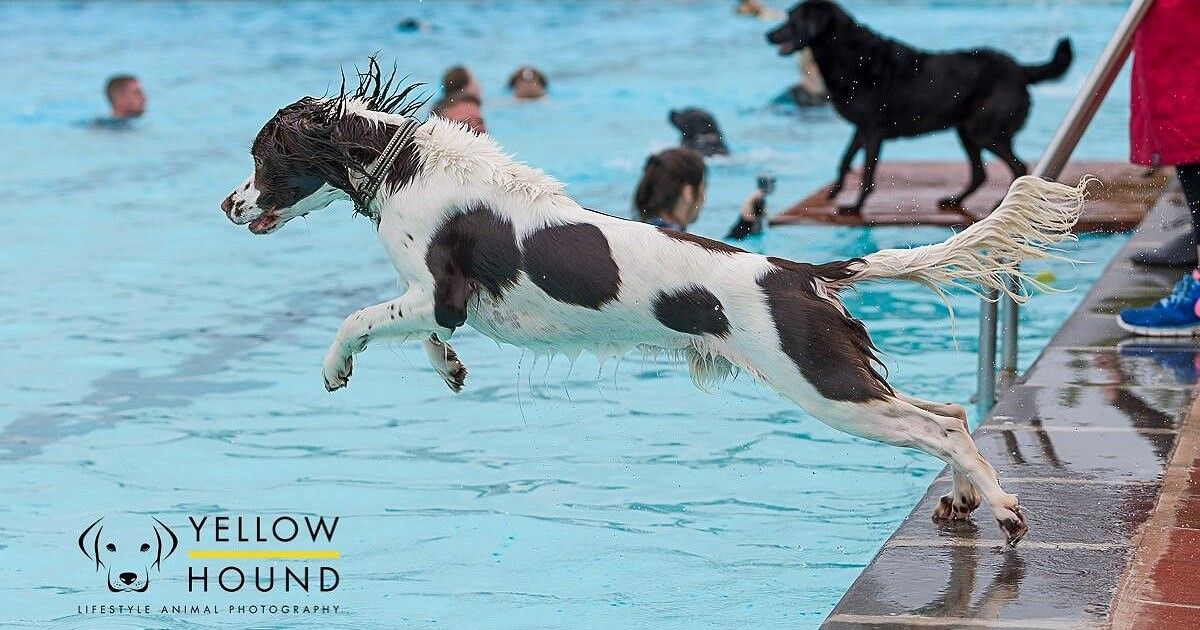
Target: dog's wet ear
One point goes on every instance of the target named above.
(818, 18)
(167, 542)
(89, 542)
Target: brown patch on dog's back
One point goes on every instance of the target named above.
(831, 349)
(572, 263)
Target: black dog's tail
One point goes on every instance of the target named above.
(1055, 68)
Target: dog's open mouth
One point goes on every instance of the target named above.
(264, 223)
(786, 48)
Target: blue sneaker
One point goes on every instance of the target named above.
(1177, 315)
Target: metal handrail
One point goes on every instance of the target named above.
(1057, 153)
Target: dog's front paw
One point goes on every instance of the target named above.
(445, 362)
(455, 376)
(852, 209)
(337, 370)
(834, 190)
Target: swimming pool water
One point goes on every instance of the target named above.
(160, 361)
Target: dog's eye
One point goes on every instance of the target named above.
(110, 547)
(145, 547)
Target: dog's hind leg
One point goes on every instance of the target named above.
(963, 500)
(852, 150)
(945, 437)
(872, 145)
(1004, 150)
(895, 421)
(978, 174)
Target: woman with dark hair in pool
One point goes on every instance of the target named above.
(671, 193)
(671, 190)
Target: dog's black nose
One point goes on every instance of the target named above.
(128, 577)
(227, 205)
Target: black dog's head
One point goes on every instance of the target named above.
(808, 22)
(699, 131)
(128, 551)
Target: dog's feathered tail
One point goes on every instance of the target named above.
(1034, 217)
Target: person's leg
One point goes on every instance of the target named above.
(1178, 314)
(1189, 179)
(1180, 251)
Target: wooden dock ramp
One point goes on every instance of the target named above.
(906, 193)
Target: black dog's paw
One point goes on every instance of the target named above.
(950, 204)
(834, 191)
(850, 210)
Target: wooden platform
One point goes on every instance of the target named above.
(906, 193)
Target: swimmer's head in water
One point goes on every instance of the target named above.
(125, 96)
(318, 150)
(672, 187)
(806, 22)
(528, 83)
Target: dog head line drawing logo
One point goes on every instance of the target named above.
(128, 551)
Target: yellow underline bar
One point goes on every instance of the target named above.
(260, 554)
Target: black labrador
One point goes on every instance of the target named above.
(890, 90)
(699, 131)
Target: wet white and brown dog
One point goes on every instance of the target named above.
(484, 241)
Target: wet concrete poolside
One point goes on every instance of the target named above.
(1102, 444)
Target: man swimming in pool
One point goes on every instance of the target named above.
(125, 97)
(126, 101)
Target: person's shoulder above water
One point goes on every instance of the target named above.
(462, 107)
(108, 123)
(660, 222)
(754, 8)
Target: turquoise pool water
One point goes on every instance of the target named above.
(162, 362)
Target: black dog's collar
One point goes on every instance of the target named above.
(376, 176)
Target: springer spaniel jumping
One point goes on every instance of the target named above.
(482, 240)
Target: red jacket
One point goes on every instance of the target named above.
(1164, 95)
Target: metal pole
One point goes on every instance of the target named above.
(985, 395)
(1050, 166)
(1009, 320)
